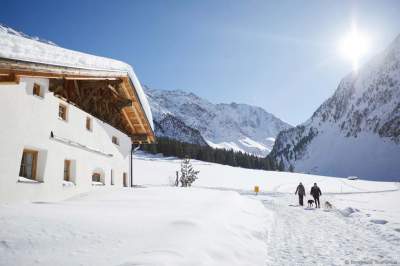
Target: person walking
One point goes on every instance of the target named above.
(316, 192)
(301, 192)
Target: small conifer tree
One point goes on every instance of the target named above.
(188, 174)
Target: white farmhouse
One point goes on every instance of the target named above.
(69, 120)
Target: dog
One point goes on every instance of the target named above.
(310, 203)
(328, 205)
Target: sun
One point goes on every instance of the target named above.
(354, 46)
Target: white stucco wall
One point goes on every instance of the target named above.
(26, 122)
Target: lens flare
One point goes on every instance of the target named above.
(354, 46)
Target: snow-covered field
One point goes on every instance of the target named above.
(364, 225)
(150, 226)
(219, 221)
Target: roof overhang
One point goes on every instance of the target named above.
(114, 87)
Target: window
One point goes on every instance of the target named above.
(67, 170)
(36, 90)
(112, 177)
(115, 140)
(28, 164)
(89, 123)
(125, 179)
(96, 177)
(62, 112)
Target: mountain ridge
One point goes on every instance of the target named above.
(354, 132)
(237, 126)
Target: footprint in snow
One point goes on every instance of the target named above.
(346, 212)
(183, 223)
(378, 221)
(397, 230)
(4, 244)
(42, 202)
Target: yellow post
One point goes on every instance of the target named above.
(256, 189)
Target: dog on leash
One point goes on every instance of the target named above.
(328, 205)
(310, 203)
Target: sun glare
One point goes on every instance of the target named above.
(354, 46)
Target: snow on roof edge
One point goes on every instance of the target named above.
(25, 49)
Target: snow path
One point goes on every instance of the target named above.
(302, 236)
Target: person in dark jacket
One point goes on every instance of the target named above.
(316, 192)
(302, 192)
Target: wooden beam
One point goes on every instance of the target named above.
(9, 79)
(89, 78)
(77, 89)
(129, 121)
(97, 84)
(133, 107)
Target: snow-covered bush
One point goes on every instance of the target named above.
(188, 174)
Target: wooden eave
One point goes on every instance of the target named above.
(131, 112)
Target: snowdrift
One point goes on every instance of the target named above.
(152, 226)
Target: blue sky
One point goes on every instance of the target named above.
(280, 55)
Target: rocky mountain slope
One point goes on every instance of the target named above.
(354, 132)
(172, 127)
(187, 117)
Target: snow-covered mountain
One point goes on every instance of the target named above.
(234, 126)
(172, 127)
(354, 132)
(8, 30)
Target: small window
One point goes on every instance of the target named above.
(96, 177)
(112, 178)
(36, 90)
(62, 112)
(125, 179)
(28, 164)
(67, 170)
(89, 123)
(115, 140)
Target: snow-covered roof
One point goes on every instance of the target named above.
(20, 47)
